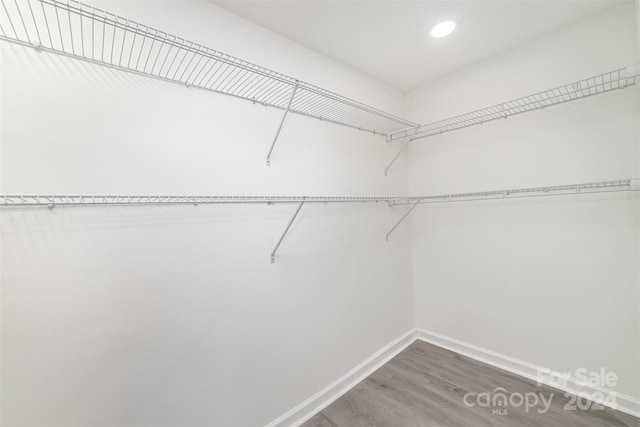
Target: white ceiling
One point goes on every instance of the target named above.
(386, 39)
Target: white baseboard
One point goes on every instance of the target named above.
(307, 409)
(333, 391)
(624, 403)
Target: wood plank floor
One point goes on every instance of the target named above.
(425, 385)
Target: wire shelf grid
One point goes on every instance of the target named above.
(119, 200)
(593, 187)
(51, 200)
(81, 31)
(606, 82)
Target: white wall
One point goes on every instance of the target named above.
(552, 281)
(174, 315)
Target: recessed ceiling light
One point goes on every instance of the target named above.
(442, 29)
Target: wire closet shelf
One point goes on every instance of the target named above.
(85, 32)
(621, 185)
(555, 190)
(606, 82)
(52, 200)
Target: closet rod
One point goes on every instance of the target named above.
(42, 200)
(556, 190)
(602, 83)
(77, 30)
(51, 201)
(54, 200)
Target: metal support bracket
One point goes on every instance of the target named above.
(293, 218)
(400, 134)
(404, 146)
(402, 219)
(284, 116)
(408, 139)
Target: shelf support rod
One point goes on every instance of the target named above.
(293, 218)
(403, 218)
(284, 116)
(408, 139)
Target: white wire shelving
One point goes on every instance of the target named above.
(77, 200)
(50, 200)
(85, 32)
(33, 201)
(556, 190)
(53, 200)
(76, 30)
(602, 83)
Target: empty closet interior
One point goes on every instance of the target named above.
(219, 213)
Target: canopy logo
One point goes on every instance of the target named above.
(499, 399)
